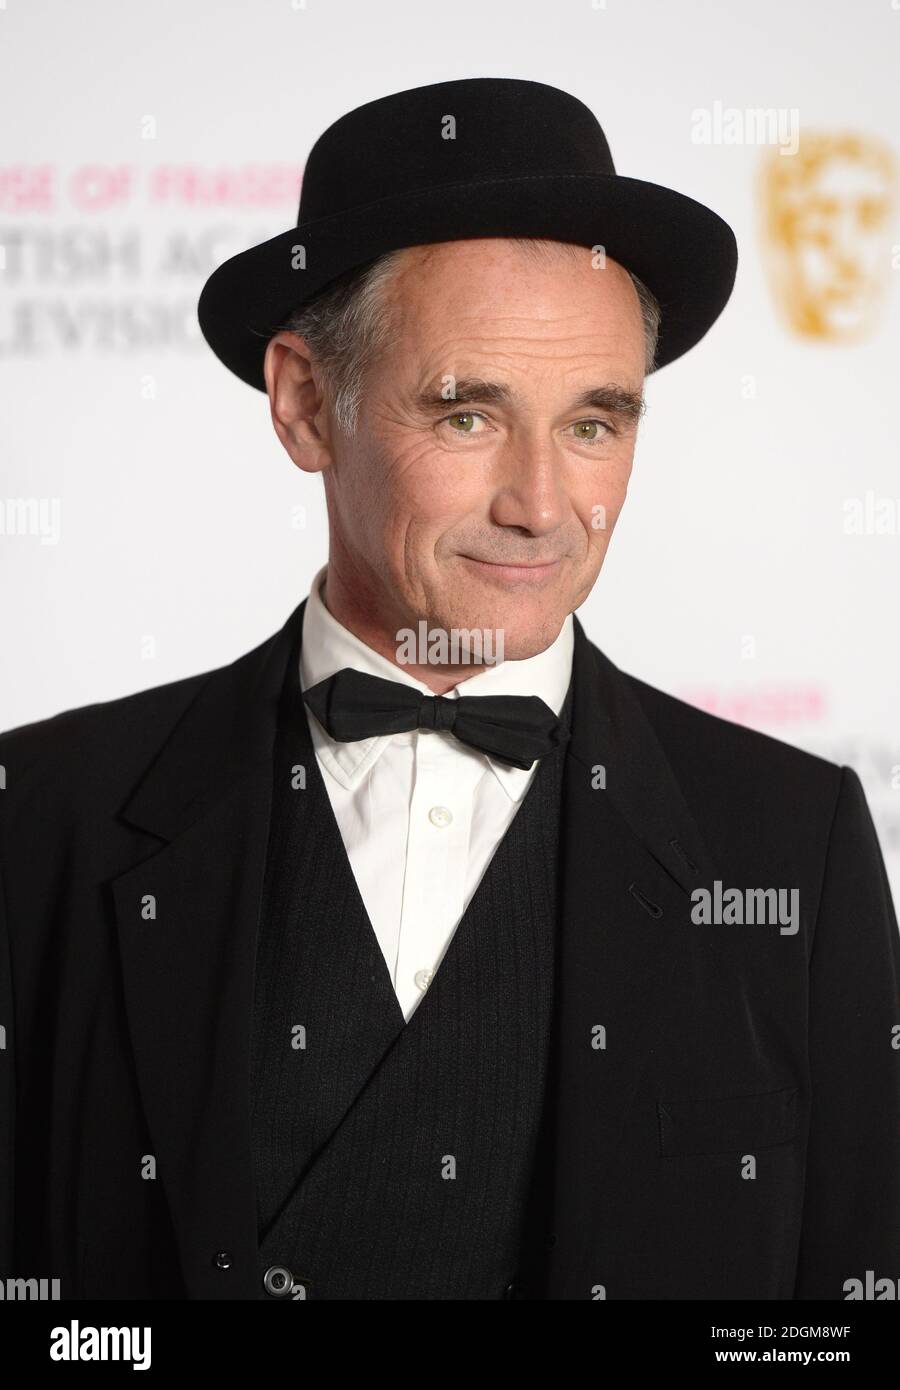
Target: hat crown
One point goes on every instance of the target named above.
(487, 128)
(475, 158)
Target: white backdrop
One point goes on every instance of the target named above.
(168, 532)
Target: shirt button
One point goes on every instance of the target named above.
(223, 1259)
(440, 816)
(423, 978)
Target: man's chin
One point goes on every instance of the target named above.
(514, 636)
(520, 644)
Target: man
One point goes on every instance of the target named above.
(349, 971)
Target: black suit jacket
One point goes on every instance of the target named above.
(726, 1098)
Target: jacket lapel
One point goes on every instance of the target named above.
(631, 855)
(187, 919)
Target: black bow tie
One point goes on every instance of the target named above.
(516, 729)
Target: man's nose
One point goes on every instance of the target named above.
(530, 491)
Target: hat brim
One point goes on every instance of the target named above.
(682, 251)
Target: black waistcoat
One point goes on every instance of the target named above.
(398, 1160)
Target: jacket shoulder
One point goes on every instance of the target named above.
(92, 758)
(694, 738)
(106, 716)
(80, 749)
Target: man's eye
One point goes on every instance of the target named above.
(463, 422)
(592, 431)
(586, 431)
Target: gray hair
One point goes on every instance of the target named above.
(349, 322)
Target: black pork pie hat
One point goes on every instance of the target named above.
(526, 160)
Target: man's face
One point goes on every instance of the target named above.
(494, 442)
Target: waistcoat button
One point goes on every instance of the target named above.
(277, 1281)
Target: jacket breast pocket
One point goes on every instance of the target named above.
(727, 1124)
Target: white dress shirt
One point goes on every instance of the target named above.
(420, 814)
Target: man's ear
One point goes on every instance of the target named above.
(297, 402)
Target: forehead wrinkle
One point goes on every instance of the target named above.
(487, 362)
(543, 329)
(502, 352)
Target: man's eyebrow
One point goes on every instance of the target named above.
(615, 400)
(466, 391)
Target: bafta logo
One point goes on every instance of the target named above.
(826, 213)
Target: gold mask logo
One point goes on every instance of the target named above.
(826, 212)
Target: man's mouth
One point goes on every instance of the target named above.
(526, 571)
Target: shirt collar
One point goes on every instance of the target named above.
(327, 646)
